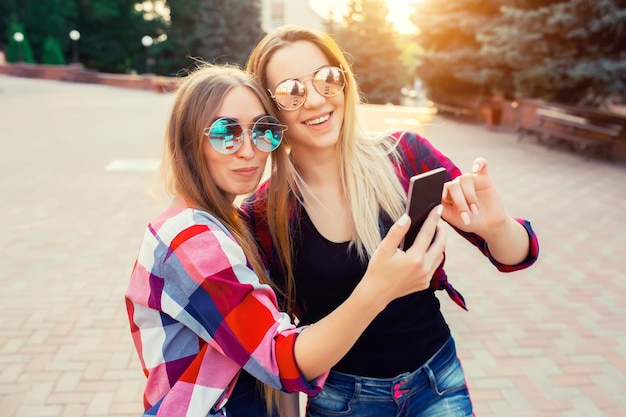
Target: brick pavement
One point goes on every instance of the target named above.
(549, 341)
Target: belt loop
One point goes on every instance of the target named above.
(431, 376)
(358, 384)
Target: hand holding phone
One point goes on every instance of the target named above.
(424, 194)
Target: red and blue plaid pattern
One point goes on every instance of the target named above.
(417, 155)
(198, 315)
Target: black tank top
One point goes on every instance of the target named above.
(403, 336)
(247, 400)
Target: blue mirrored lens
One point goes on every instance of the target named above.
(225, 135)
(267, 133)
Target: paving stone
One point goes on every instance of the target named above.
(547, 341)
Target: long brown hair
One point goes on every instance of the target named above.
(186, 176)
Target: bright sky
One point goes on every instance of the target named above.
(399, 11)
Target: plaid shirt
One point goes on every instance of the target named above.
(417, 155)
(198, 314)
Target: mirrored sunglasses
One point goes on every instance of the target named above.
(226, 135)
(291, 94)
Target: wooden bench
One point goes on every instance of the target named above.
(556, 126)
(460, 105)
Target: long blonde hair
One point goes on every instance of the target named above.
(367, 173)
(185, 173)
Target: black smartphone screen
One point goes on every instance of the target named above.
(424, 194)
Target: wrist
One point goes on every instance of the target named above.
(508, 243)
(495, 232)
(370, 298)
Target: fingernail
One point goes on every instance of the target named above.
(475, 168)
(404, 219)
(465, 218)
(439, 209)
(474, 208)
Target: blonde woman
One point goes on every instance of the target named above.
(320, 219)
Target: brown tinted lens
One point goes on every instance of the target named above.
(329, 81)
(290, 94)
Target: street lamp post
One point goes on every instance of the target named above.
(75, 36)
(147, 41)
(19, 38)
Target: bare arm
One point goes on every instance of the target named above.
(472, 203)
(391, 273)
(508, 243)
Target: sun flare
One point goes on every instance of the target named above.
(399, 11)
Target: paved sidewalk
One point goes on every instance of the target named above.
(77, 186)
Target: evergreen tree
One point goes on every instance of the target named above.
(450, 63)
(111, 32)
(52, 54)
(18, 51)
(8, 17)
(370, 40)
(245, 30)
(174, 53)
(570, 51)
(39, 20)
(48, 18)
(216, 31)
(229, 30)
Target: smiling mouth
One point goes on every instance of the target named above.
(317, 121)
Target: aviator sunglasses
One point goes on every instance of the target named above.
(290, 94)
(226, 135)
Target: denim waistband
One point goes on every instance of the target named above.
(438, 361)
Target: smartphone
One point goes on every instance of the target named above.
(424, 194)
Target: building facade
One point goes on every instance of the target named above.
(276, 13)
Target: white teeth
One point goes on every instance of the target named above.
(317, 121)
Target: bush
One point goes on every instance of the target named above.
(52, 54)
(16, 52)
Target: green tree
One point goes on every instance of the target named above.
(52, 54)
(175, 52)
(229, 30)
(8, 16)
(569, 51)
(40, 20)
(217, 31)
(48, 18)
(18, 51)
(450, 63)
(370, 39)
(111, 32)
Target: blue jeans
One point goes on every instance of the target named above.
(436, 389)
